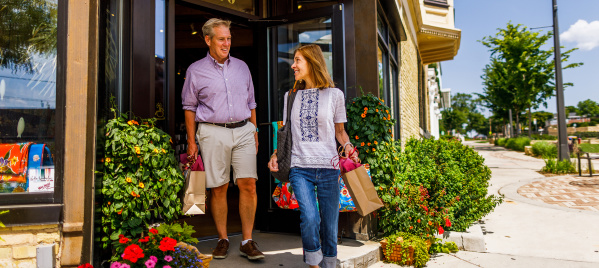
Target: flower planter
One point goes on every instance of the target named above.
(205, 258)
(396, 256)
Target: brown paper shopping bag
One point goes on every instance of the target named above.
(362, 191)
(194, 198)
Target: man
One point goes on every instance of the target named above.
(219, 94)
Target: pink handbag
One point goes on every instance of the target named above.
(197, 165)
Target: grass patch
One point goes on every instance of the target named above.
(589, 148)
(482, 142)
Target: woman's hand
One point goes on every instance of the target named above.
(352, 154)
(272, 164)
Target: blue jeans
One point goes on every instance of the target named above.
(319, 223)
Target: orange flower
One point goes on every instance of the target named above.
(141, 185)
(418, 220)
(365, 108)
(391, 135)
(357, 138)
(171, 140)
(362, 144)
(377, 110)
(133, 193)
(102, 160)
(132, 122)
(382, 100)
(411, 227)
(120, 212)
(156, 150)
(109, 203)
(161, 179)
(390, 131)
(373, 149)
(430, 223)
(137, 149)
(375, 143)
(380, 103)
(389, 118)
(107, 160)
(368, 144)
(128, 179)
(363, 115)
(163, 151)
(387, 111)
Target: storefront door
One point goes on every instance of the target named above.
(166, 38)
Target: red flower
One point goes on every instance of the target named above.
(87, 265)
(143, 240)
(441, 231)
(123, 240)
(418, 220)
(425, 208)
(167, 243)
(447, 222)
(133, 253)
(153, 231)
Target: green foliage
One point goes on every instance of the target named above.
(586, 135)
(140, 178)
(520, 73)
(571, 110)
(478, 123)
(369, 124)
(408, 208)
(453, 119)
(404, 242)
(588, 108)
(552, 165)
(542, 117)
(589, 148)
(176, 231)
(544, 137)
(447, 169)
(501, 142)
(544, 149)
(517, 144)
(447, 247)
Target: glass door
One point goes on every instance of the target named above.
(322, 27)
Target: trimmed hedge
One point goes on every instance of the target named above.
(544, 149)
(517, 144)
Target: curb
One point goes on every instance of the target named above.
(369, 254)
(471, 240)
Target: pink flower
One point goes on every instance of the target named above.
(153, 258)
(168, 258)
(115, 265)
(124, 265)
(150, 263)
(166, 266)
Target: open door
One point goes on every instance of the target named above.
(323, 27)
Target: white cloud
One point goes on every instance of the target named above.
(584, 34)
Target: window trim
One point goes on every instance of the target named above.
(25, 208)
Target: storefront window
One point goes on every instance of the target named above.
(28, 57)
(290, 37)
(387, 62)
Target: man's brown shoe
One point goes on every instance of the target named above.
(220, 252)
(250, 250)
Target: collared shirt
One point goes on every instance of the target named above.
(219, 94)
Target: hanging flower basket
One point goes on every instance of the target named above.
(409, 251)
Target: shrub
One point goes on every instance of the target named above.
(447, 169)
(404, 242)
(369, 123)
(552, 165)
(543, 137)
(517, 144)
(544, 149)
(586, 135)
(500, 142)
(140, 178)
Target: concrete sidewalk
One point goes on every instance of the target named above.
(521, 232)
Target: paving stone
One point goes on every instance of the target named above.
(570, 191)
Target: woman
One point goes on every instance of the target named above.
(317, 118)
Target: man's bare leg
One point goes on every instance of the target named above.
(219, 209)
(247, 205)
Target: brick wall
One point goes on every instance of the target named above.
(19, 248)
(408, 88)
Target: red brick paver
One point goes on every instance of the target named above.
(572, 192)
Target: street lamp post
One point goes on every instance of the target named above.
(563, 151)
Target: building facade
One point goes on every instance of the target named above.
(82, 57)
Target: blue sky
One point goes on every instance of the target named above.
(478, 19)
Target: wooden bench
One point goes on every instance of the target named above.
(589, 158)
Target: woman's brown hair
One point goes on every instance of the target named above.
(317, 67)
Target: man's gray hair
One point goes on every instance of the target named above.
(208, 28)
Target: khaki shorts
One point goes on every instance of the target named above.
(222, 148)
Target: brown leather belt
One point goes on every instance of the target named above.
(231, 125)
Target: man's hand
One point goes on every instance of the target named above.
(192, 151)
(256, 138)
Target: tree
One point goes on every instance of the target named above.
(588, 108)
(463, 102)
(542, 118)
(571, 110)
(453, 119)
(520, 75)
(478, 123)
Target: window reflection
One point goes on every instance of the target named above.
(291, 37)
(28, 31)
(381, 73)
